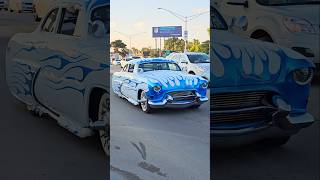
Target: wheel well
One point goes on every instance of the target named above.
(94, 101)
(191, 72)
(261, 33)
(139, 94)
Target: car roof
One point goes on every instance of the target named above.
(187, 53)
(149, 60)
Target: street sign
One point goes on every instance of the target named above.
(167, 31)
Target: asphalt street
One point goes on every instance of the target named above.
(176, 140)
(35, 148)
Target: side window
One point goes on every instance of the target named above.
(131, 68)
(50, 22)
(68, 21)
(125, 68)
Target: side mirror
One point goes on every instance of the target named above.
(98, 29)
(240, 23)
(140, 70)
(184, 62)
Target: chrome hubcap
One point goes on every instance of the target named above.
(104, 114)
(144, 101)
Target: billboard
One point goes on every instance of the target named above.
(167, 31)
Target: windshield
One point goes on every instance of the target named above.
(217, 21)
(198, 58)
(287, 2)
(157, 66)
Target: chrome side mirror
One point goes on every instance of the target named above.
(240, 23)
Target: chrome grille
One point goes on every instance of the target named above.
(239, 100)
(237, 117)
(182, 95)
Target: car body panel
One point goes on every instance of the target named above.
(52, 72)
(249, 78)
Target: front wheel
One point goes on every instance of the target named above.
(144, 103)
(104, 115)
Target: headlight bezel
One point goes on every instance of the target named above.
(303, 76)
(157, 88)
(298, 25)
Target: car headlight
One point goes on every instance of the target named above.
(204, 85)
(303, 76)
(294, 25)
(157, 88)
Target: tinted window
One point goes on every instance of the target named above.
(131, 68)
(50, 22)
(217, 21)
(198, 58)
(69, 21)
(156, 66)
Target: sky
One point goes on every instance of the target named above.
(139, 16)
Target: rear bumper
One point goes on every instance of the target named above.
(169, 103)
(278, 127)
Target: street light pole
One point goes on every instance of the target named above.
(185, 19)
(129, 36)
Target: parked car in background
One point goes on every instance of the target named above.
(294, 24)
(61, 68)
(41, 7)
(259, 91)
(159, 83)
(124, 61)
(4, 4)
(193, 63)
(20, 5)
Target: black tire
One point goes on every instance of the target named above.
(145, 105)
(192, 73)
(275, 142)
(104, 114)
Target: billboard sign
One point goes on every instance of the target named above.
(167, 31)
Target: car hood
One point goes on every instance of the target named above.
(237, 61)
(172, 79)
(204, 66)
(156, 154)
(307, 12)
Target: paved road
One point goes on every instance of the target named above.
(176, 140)
(297, 160)
(35, 148)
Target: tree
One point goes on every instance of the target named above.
(174, 44)
(118, 44)
(194, 46)
(205, 47)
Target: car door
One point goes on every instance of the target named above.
(60, 84)
(128, 87)
(184, 62)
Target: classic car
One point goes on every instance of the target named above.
(158, 83)
(61, 69)
(193, 63)
(20, 5)
(294, 24)
(259, 90)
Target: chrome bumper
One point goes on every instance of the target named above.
(277, 127)
(168, 102)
